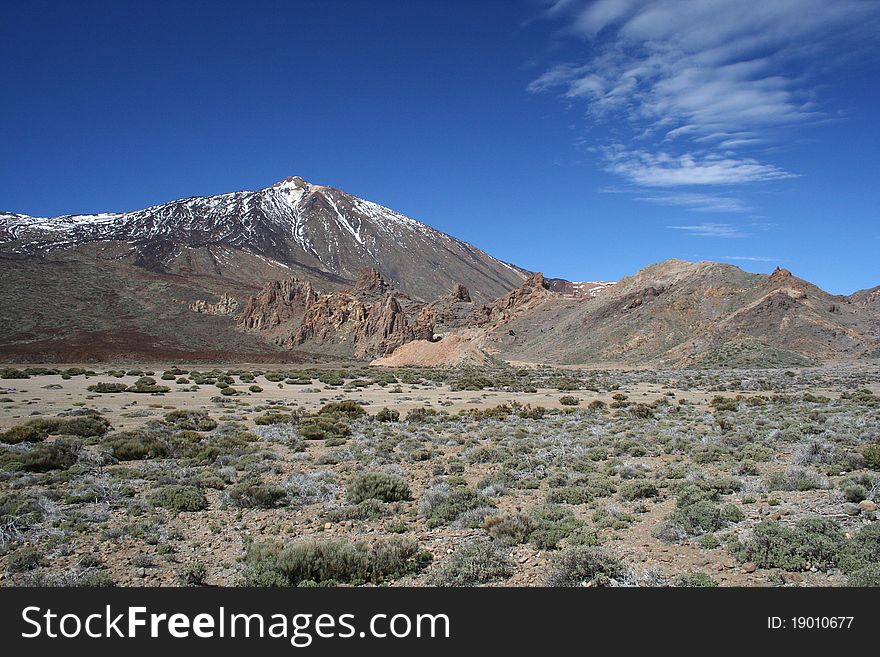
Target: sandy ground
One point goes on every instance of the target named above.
(50, 395)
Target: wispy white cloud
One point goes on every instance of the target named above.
(663, 169)
(698, 202)
(700, 84)
(752, 258)
(710, 229)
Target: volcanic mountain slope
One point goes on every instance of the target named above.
(76, 285)
(679, 312)
(321, 234)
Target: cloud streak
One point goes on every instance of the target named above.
(699, 85)
(710, 229)
(698, 202)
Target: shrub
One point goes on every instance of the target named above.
(85, 426)
(23, 433)
(872, 456)
(274, 417)
(388, 415)
(107, 387)
(136, 445)
(24, 559)
(179, 498)
(585, 566)
(191, 420)
(254, 494)
(695, 519)
(863, 550)
(147, 384)
(867, 576)
(193, 574)
(420, 414)
(350, 408)
(334, 561)
(691, 580)
(509, 529)
(638, 490)
(795, 478)
(255, 388)
(448, 508)
(811, 542)
(552, 523)
(569, 400)
(377, 486)
(58, 455)
(324, 427)
(311, 487)
(473, 564)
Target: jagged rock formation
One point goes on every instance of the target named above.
(278, 303)
(225, 306)
(534, 290)
(369, 320)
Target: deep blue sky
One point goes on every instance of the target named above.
(583, 139)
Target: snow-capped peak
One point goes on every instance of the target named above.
(291, 182)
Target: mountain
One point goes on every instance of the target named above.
(319, 233)
(683, 313)
(298, 272)
(167, 281)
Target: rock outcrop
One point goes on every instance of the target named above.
(278, 303)
(225, 306)
(534, 290)
(369, 320)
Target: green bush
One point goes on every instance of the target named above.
(867, 576)
(376, 486)
(473, 564)
(455, 504)
(274, 417)
(179, 498)
(387, 415)
(107, 387)
(584, 565)
(329, 562)
(569, 400)
(863, 550)
(872, 456)
(136, 446)
(551, 524)
(324, 427)
(350, 408)
(811, 542)
(58, 455)
(23, 433)
(24, 559)
(191, 420)
(254, 494)
(696, 519)
(147, 384)
(693, 580)
(193, 574)
(638, 490)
